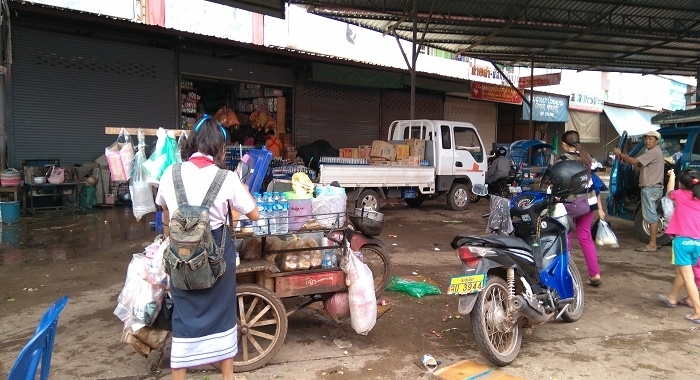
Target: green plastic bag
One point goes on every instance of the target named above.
(162, 157)
(414, 288)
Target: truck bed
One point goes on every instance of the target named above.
(352, 176)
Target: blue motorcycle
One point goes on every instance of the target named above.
(512, 282)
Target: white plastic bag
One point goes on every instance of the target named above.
(142, 201)
(668, 207)
(139, 301)
(329, 210)
(605, 237)
(363, 301)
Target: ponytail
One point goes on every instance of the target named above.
(571, 138)
(690, 179)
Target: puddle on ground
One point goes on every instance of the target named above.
(61, 236)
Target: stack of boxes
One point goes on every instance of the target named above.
(383, 153)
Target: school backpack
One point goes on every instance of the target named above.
(192, 259)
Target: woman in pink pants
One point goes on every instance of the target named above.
(574, 151)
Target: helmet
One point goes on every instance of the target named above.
(501, 151)
(565, 177)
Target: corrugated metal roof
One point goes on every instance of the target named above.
(639, 36)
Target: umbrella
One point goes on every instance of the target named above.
(555, 143)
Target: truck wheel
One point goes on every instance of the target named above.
(368, 198)
(458, 197)
(415, 202)
(641, 228)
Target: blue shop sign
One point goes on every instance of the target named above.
(547, 108)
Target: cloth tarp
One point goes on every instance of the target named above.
(635, 121)
(587, 124)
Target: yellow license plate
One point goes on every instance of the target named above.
(466, 284)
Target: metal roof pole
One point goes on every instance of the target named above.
(532, 86)
(414, 59)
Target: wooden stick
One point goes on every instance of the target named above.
(146, 131)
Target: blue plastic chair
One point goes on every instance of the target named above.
(40, 347)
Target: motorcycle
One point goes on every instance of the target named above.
(500, 187)
(509, 283)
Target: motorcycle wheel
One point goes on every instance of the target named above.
(379, 263)
(497, 336)
(575, 309)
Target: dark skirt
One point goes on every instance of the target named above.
(204, 321)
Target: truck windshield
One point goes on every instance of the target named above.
(672, 146)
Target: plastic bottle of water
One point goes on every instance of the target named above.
(277, 212)
(283, 216)
(260, 226)
(270, 213)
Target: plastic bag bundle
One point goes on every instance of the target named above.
(329, 210)
(361, 296)
(499, 220)
(139, 301)
(668, 207)
(605, 237)
(414, 288)
(337, 306)
(141, 194)
(120, 156)
(162, 157)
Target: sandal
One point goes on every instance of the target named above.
(644, 248)
(694, 320)
(685, 302)
(595, 283)
(665, 300)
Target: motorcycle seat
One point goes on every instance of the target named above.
(509, 242)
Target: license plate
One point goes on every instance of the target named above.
(466, 284)
(515, 189)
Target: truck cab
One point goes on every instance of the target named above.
(680, 144)
(456, 152)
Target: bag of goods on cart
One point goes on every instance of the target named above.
(119, 157)
(362, 299)
(139, 302)
(162, 157)
(328, 208)
(338, 305)
(141, 193)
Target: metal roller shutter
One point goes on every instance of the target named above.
(235, 69)
(344, 116)
(66, 89)
(396, 105)
(484, 116)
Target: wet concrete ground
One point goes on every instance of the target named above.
(625, 332)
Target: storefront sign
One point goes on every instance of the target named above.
(540, 80)
(494, 93)
(486, 74)
(547, 108)
(586, 102)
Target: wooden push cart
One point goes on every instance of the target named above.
(261, 286)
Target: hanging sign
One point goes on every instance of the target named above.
(540, 80)
(494, 93)
(547, 108)
(586, 102)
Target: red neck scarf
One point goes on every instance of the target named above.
(201, 161)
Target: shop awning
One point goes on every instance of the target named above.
(635, 121)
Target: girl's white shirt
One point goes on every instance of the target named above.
(197, 182)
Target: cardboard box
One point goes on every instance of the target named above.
(363, 151)
(416, 147)
(413, 161)
(401, 151)
(383, 149)
(346, 152)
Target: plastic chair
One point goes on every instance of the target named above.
(40, 347)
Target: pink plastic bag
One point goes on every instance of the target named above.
(338, 305)
(120, 156)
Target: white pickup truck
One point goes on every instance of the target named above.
(456, 157)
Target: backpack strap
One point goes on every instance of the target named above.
(214, 188)
(179, 186)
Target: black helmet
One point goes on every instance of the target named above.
(501, 151)
(565, 177)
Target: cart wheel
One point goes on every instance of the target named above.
(380, 265)
(262, 327)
